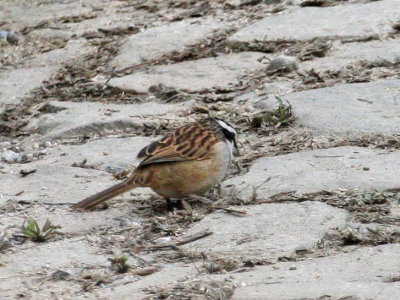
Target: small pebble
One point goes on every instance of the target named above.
(12, 38)
(5, 145)
(283, 63)
(114, 169)
(11, 156)
(60, 275)
(43, 152)
(163, 240)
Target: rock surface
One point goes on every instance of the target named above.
(25, 267)
(16, 13)
(79, 119)
(336, 22)
(268, 231)
(169, 274)
(219, 73)
(16, 84)
(70, 118)
(40, 186)
(365, 274)
(383, 53)
(317, 170)
(156, 42)
(104, 154)
(362, 108)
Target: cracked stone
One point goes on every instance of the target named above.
(317, 170)
(51, 183)
(367, 273)
(268, 231)
(368, 108)
(341, 55)
(25, 265)
(16, 14)
(356, 21)
(156, 42)
(220, 73)
(80, 119)
(167, 275)
(16, 84)
(101, 154)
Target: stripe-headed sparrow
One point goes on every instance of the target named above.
(186, 162)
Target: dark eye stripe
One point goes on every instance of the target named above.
(228, 134)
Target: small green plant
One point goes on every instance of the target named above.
(119, 264)
(37, 234)
(280, 116)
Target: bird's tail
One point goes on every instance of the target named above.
(100, 197)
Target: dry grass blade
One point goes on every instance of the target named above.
(145, 271)
(4, 243)
(185, 239)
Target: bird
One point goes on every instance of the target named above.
(187, 162)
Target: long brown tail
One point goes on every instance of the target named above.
(100, 197)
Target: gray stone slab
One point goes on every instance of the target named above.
(166, 276)
(47, 256)
(357, 108)
(339, 56)
(72, 50)
(16, 84)
(74, 119)
(366, 273)
(221, 72)
(28, 14)
(29, 286)
(103, 154)
(342, 22)
(155, 42)
(72, 222)
(317, 170)
(56, 181)
(268, 231)
(28, 271)
(51, 183)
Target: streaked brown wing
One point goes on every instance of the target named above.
(189, 142)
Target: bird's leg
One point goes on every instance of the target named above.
(171, 204)
(219, 190)
(216, 205)
(201, 199)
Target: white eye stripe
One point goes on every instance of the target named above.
(227, 127)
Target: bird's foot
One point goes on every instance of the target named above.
(201, 199)
(173, 204)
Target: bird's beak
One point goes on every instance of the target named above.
(235, 151)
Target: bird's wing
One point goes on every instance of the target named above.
(189, 142)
